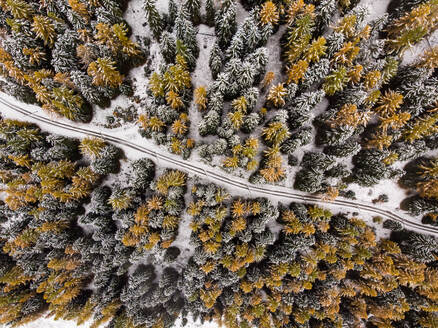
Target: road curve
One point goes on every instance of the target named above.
(278, 192)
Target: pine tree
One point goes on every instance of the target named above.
(231, 162)
(193, 8)
(64, 53)
(215, 61)
(371, 79)
(349, 115)
(19, 8)
(240, 104)
(92, 147)
(156, 85)
(225, 22)
(210, 12)
(347, 25)
(395, 121)
(296, 72)
(80, 8)
(316, 50)
(105, 36)
(84, 83)
(154, 19)
(346, 54)
(173, 11)
(389, 102)
(169, 179)
(120, 199)
(179, 127)
(174, 100)
(267, 80)
(153, 122)
(128, 47)
(69, 104)
(380, 140)
(168, 47)
(355, 74)
(236, 47)
(294, 8)
(273, 172)
(236, 119)
(276, 133)
(299, 35)
(86, 54)
(36, 55)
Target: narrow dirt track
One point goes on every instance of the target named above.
(274, 192)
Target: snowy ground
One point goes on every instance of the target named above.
(50, 323)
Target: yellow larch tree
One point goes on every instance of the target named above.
(269, 13)
(276, 95)
(201, 97)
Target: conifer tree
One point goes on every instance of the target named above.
(336, 81)
(269, 13)
(168, 47)
(92, 147)
(201, 97)
(44, 29)
(316, 49)
(277, 95)
(429, 59)
(210, 12)
(296, 71)
(154, 19)
(19, 9)
(422, 127)
(215, 60)
(193, 8)
(104, 73)
(225, 22)
(412, 27)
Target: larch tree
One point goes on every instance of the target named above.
(104, 73)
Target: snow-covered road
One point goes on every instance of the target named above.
(237, 186)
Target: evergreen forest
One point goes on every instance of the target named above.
(328, 98)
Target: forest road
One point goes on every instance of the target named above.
(239, 185)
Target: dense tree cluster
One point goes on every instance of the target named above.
(165, 118)
(339, 89)
(378, 113)
(323, 270)
(80, 245)
(65, 55)
(229, 235)
(238, 63)
(52, 249)
(421, 176)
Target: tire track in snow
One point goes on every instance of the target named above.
(279, 193)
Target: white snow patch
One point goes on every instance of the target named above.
(376, 8)
(52, 323)
(413, 54)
